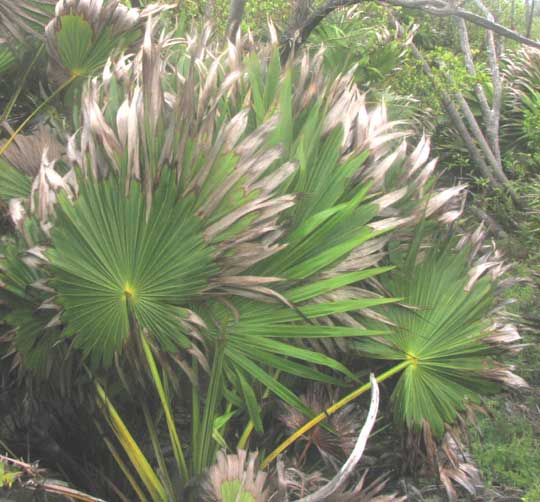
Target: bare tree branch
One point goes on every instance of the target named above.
(298, 33)
(209, 9)
(441, 8)
(530, 18)
(457, 121)
(489, 154)
(236, 14)
(471, 69)
(492, 125)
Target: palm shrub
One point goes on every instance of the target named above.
(520, 114)
(217, 214)
(191, 225)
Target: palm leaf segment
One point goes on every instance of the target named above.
(451, 336)
(19, 21)
(180, 217)
(82, 35)
(7, 57)
(24, 18)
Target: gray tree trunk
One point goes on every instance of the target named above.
(236, 14)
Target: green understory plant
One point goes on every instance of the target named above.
(216, 226)
(190, 226)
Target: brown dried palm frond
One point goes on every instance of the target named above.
(448, 460)
(371, 492)
(294, 483)
(234, 477)
(457, 467)
(26, 152)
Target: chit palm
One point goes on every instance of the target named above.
(217, 213)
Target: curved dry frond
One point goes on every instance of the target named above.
(294, 483)
(457, 467)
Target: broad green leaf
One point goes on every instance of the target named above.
(106, 254)
(442, 336)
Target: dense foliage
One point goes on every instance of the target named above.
(207, 246)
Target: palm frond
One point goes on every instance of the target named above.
(448, 334)
(25, 18)
(152, 276)
(234, 478)
(82, 35)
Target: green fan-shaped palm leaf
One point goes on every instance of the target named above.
(444, 335)
(81, 37)
(111, 260)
